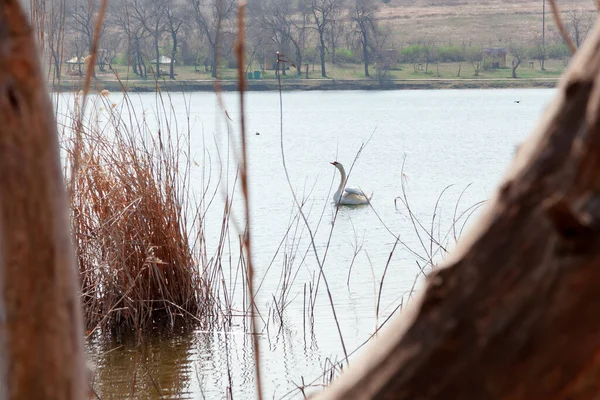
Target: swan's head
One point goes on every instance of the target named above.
(336, 164)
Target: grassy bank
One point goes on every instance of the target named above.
(312, 84)
(350, 71)
(340, 77)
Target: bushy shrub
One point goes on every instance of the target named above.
(311, 55)
(347, 56)
(120, 59)
(557, 51)
(451, 53)
(411, 54)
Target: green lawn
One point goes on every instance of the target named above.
(554, 68)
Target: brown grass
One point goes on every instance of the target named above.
(490, 22)
(128, 193)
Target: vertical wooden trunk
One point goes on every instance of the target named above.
(41, 337)
(515, 313)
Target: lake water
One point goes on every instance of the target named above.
(426, 140)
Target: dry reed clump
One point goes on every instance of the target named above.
(129, 219)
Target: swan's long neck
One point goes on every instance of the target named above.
(340, 190)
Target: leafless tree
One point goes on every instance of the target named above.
(335, 34)
(151, 15)
(429, 54)
(324, 12)
(81, 16)
(175, 13)
(55, 23)
(461, 57)
(363, 16)
(211, 17)
(518, 53)
(539, 50)
(257, 42)
(78, 46)
(122, 15)
(379, 42)
(188, 39)
(284, 22)
(579, 23)
(112, 42)
(475, 56)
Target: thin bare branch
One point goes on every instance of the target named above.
(239, 49)
(561, 27)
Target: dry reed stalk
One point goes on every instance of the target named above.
(129, 217)
(320, 261)
(561, 27)
(94, 51)
(433, 244)
(247, 239)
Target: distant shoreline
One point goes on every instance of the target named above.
(309, 84)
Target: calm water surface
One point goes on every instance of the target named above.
(458, 137)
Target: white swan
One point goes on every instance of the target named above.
(348, 195)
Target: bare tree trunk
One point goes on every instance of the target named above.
(56, 60)
(515, 313)
(134, 56)
(365, 46)
(139, 58)
(213, 35)
(156, 37)
(157, 51)
(298, 60)
(142, 66)
(41, 330)
(515, 65)
(213, 61)
(173, 54)
(322, 54)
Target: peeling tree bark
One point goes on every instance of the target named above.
(516, 312)
(41, 335)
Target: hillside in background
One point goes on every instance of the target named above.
(333, 39)
(487, 23)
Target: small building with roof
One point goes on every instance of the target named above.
(494, 57)
(162, 60)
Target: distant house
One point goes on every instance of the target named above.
(387, 59)
(74, 65)
(75, 61)
(162, 60)
(494, 57)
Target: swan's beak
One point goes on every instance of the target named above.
(333, 163)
